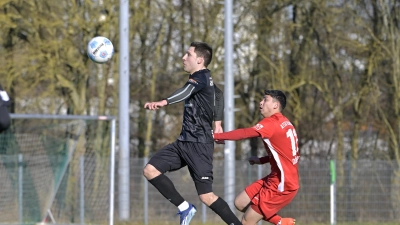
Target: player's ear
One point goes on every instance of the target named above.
(200, 60)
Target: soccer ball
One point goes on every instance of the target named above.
(100, 49)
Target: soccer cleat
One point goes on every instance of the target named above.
(288, 221)
(187, 215)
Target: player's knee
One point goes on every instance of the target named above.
(205, 198)
(150, 172)
(239, 205)
(208, 198)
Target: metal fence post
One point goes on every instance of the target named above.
(20, 188)
(82, 187)
(145, 196)
(332, 192)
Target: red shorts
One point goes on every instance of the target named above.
(267, 201)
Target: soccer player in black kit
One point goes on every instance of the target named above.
(195, 145)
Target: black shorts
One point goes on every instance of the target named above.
(197, 156)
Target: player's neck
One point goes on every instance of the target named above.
(271, 114)
(202, 68)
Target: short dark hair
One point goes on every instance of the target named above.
(202, 49)
(278, 95)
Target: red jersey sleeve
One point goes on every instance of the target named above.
(264, 128)
(237, 134)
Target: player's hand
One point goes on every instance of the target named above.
(254, 160)
(155, 105)
(218, 129)
(220, 141)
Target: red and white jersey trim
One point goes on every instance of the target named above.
(281, 185)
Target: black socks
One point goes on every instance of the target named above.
(165, 186)
(221, 208)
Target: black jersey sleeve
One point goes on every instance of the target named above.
(195, 83)
(219, 104)
(181, 94)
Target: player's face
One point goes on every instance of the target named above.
(268, 106)
(191, 63)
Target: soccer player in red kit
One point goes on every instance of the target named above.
(265, 197)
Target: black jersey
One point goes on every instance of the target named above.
(200, 109)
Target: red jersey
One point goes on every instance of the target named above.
(280, 140)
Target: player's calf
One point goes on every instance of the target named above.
(221, 208)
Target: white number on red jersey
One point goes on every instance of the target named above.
(291, 133)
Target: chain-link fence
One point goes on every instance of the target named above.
(56, 169)
(59, 171)
(366, 191)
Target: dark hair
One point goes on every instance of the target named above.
(278, 95)
(203, 50)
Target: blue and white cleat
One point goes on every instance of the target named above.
(187, 215)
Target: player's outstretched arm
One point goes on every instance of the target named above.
(237, 134)
(155, 105)
(179, 95)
